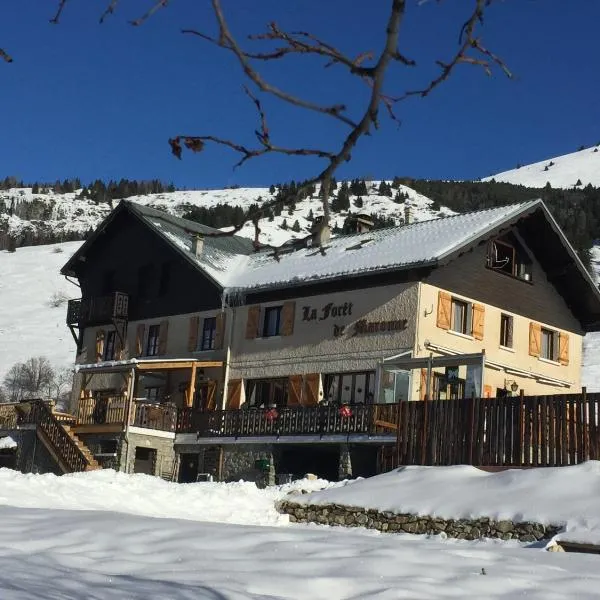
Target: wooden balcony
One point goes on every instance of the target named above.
(367, 419)
(112, 411)
(97, 310)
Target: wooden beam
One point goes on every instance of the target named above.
(102, 428)
(192, 387)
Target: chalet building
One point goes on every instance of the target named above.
(199, 356)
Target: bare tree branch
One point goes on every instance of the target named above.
(61, 5)
(155, 7)
(5, 56)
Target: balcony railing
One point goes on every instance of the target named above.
(369, 419)
(108, 410)
(112, 410)
(98, 310)
(153, 416)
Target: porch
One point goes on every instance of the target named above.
(147, 394)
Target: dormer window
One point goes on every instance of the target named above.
(507, 255)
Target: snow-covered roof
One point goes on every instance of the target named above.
(7, 443)
(426, 242)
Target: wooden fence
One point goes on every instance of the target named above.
(536, 431)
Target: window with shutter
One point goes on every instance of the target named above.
(139, 339)
(152, 341)
(99, 345)
(312, 383)
(163, 337)
(110, 346)
(234, 394)
(252, 322)
(506, 331)
(443, 311)
(272, 321)
(209, 329)
(478, 321)
(287, 318)
(295, 390)
(563, 348)
(219, 330)
(193, 334)
(535, 339)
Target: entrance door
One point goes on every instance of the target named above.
(188, 468)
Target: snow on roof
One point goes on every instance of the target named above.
(398, 247)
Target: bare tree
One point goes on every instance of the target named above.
(368, 68)
(33, 378)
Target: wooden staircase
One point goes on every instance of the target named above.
(54, 431)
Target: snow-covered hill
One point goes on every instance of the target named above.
(65, 214)
(561, 172)
(33, 297)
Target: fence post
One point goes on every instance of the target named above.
(424, 434)
(471, 430)
(584, 414)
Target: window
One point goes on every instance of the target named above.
(272, 322)
(109, 345)
(508, 256)
(153, 394)
(209, 331)
(549, 349)
(349, 388)
(152, 343)
(267, 392)
(506, 331)
(462, 317)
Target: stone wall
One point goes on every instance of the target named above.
(165, 453)
(239, 462)
(464, 529)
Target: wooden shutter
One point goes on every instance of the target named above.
(563, 348)
(444, 310)
(163, 335)
(99, 345)
(118, 346)
(287, 318)
(423, 390)
(193, 334)
(535, 339)
(312, 383)
(219, 330)
(234, 394)
(139, 339)
(294, 390)
(478, 321)
(211, 395)
(252, 322)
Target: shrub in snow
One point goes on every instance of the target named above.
(58, 299)
(57, 250)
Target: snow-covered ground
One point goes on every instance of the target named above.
(561, 171)
(67, 549)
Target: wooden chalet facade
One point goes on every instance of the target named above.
(199, 356)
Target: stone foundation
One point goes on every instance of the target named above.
(239, 462)
(463, 529)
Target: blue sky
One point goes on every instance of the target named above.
(89, 100)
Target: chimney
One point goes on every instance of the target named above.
(321, 234)
(407, 214)
(197, 245)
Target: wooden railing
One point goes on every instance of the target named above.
(97, 309)
(8, 416)
(37, 412)
(368, 419)
(535, 431)
(153, 416)
(109, 410)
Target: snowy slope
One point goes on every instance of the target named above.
(33, 298)
(66, 549)
(561, 172)
(68, 213)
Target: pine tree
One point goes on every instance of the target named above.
(358, 202)
(399, 198)
(310, 216)
(272, 190)
(284, 224)
(296, 226)
(35, 188)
